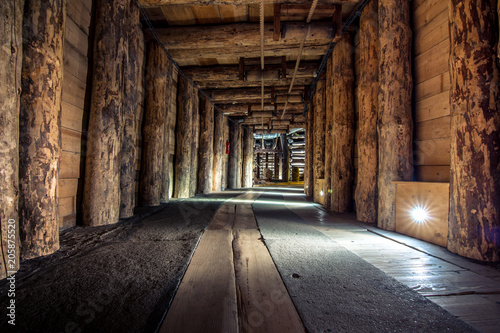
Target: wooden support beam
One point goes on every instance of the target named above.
(277, 22)
(474, 224)
(153, 132)
(247, 179)
(252, 96)
(195, 144)
(395, 125)
(170, 114)
(319, 131)
(184, 137)
(206, 156)
(219, 151)
(366, 189)
(234, 175)
(337, 22)
(267, 131)
(343, 125)
(11, 52)
(133, 73)
(157, 3)
(308, 168)
(224, 84)
(101, 197)
(329, 91)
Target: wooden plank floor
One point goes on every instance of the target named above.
(231, 284)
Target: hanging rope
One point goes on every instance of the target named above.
(311, 11)
(261, 12)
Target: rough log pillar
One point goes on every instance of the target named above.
(206, 156)
(132, 75)
(319, 132)
(154, 125)
(366, 189)
(40, 126)
(343, 125)
(11, 49)
(285, 172)
(166, 187)
(308, 168)
(474, 221)
(247, 158)
(234, 176)
(101, 196)
(218, 151)
(184, 135)
(395, 125)
(328, 133)
(195, 143)
(225, 163)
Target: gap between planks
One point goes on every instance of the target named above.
(232, 284)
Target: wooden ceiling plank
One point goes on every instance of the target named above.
(156, 3)
(178, 15)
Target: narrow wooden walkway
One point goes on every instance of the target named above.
(232, 284)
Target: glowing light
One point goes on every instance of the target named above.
(321, 193)
(419, 214)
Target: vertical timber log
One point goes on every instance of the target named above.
(343, 125)
(474, 221)
(308, 169)
(366, 189)
(319, 131)
(166, 187)
(395, 126)
(247, 158)
(184, 133)
(101, 195)
(195, 143)
(10, 81)
(154, 125)
(328, 134)
(234, 176)
(132, 75)
(218, 151)
(206, 156)
(285, 171)
(225, 163)
(40, 126)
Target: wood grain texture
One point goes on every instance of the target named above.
(308, 169)
(168, 139)
(234, 175)
(343, 125)
(195, 143)
(319, 131)
(184, 134)
(154, 125)
(329, 92)
(206, 156)
(395, 124)
(474, 226)
(367, 93)
(218, 151)
(40, 126)
(11, 53)
(248, 142)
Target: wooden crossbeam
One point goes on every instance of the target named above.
(158, 3)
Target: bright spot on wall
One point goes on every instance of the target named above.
(419, 214)
(321, 193)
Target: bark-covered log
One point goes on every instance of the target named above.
(366, 189)
(343, 125)
(328, 134)
(11, 52)
(395, 125)
(184, 134)
(285, 171)
(193, 185)
(154, 125)
(206, 156)
(234, 176)
(40, 126)
(474, 221)
(131, 110)
(225, 163)
(308, 169)
(101, 196)
(167, 181)
(247, 158)
(218, 151)
(319, 131)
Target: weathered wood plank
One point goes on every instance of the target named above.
(432, 173)
(436, 106)
(432, 152)
(433, 129)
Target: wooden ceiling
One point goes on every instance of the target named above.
(217, 43)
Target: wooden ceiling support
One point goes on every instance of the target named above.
(337, 22)
(277, 22)
(158, 3)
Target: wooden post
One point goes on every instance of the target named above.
(234, 156)
(308, 169)
(166, 187)
(154, 125)
(219, 151)
(319, 131)
(247, 158)
(10, 80)
(286, 159)
(395, 125)
(474, 224)
(195, 143)
(366, 189)
(328, 134)
(101, 197)
(225, 163)
(343, 125)
(133, 74)
(40, 126)
(184, 134)
(206, 156)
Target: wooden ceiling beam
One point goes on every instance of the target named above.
(224, 84)
(248, 95)
(158, 3)
(242, 109)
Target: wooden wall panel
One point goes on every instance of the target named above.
(432, 86)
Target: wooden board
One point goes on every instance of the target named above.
(432, 152)
(434, 199)
(433, 129)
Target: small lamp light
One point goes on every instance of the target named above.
(419, 214)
